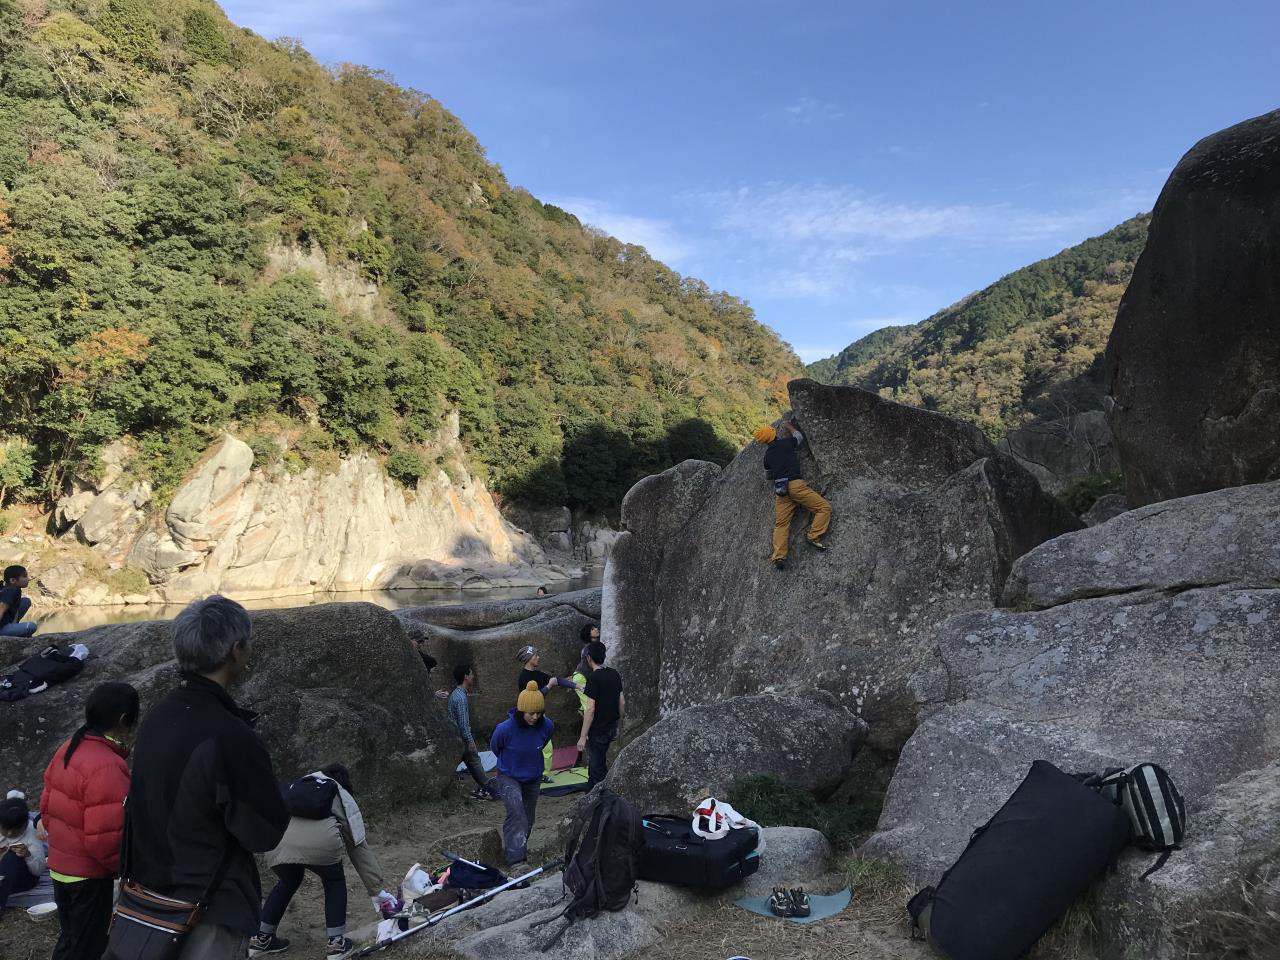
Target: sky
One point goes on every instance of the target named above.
(840, 165)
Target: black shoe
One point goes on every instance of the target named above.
(799, 902)
(339, 947)
(780, 564)
(261, 943)
(780, 904)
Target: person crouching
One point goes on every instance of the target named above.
(517, 742)
(317, 845)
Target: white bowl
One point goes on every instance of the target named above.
(42, 911)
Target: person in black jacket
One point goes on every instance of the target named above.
(782, 460)
(203, 785)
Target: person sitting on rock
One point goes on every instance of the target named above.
(782, 460)
(518, 743)
(530, 657)
(460, 714)
(606, 705)
(22, 854)
(318, 845)
(13, 605)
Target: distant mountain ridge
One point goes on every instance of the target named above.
(1028, 346)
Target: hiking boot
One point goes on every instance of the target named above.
(261, 943)
(817, 544)
(780, 564)
(780, 904)
(799, 902)
(479, 794)
(339, 947)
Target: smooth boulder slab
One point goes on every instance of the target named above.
(928, 519)
(1193, 361)
(552, 626)
(1105, 508)
(701, 751)
(1225, 537)
(332, 682)
(1057, 452)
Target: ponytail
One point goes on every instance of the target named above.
(110, 705)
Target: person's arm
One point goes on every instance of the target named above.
(588, 715)
(498, 742)
(622, 704)
(362, 857)
(35, 856)
(255, 813)
(104, 816)
(464, 722)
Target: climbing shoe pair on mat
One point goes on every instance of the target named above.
(789, 903)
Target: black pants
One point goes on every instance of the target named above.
(84, 911)
(14, 877)
(474, 767)
(598, 742)
(335, 896)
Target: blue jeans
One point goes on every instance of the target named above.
(18, 628)
(14, 877)
(332, 880)
(521, 801)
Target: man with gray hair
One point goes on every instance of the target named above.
(204, 798)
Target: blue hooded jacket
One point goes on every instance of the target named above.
(519, 748)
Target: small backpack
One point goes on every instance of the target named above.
(602, 856)
(309, 798)
(1156, 811)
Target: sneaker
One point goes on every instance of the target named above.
(546, 779)
(478, 794)
(780, 564)
(780, 904)
(799, 901)
(817, 544)
(261, 943)
(339, 947)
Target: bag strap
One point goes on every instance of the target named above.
(219, 873)
(1163, 859)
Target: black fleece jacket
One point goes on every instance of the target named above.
(202, 779)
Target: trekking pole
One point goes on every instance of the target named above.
(474, 902)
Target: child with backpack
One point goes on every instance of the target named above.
(518, 743)
(318, 834)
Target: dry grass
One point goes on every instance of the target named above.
(880, 890)
(1245, 922)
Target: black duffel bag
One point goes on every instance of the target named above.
(674, 854)
(1022, 870)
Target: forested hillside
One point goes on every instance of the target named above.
(1030, 345)
(159, 164)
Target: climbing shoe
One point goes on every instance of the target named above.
(779, 564)
(780, 904)
(262, 943)
(338, 947)
(799, 902)
(817, 544)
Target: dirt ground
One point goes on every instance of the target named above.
(870, 929)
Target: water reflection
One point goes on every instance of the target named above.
(80, 618)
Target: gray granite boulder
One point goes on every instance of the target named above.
(929, 517)
(702, 751)
(1193, 361)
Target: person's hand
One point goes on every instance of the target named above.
(41, 833)
(20, 850)
(471, 745)
(553, 682)
(582, 744)
(381, 899)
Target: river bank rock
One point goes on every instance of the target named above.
(1193, 361)
(702, 751)
(332, 682)
(929, 517)
(1150, 638)
(488, 635)
(1059, 451)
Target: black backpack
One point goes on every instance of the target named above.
(309, 798)
(602, 856)
(51, 666)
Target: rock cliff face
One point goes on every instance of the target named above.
(929, 517)
(261, 533)
(1193, 362)
(332, 682)
(1153, 636)
(1056, 452)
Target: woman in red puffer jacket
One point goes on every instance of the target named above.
(82, 811)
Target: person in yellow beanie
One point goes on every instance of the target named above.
(517, 742)
(782, 460)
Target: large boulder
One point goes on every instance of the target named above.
(702, 751)
(488, 636)
(1059, 451)
(1193, 363)
(332, 682)
(929, 517)
(1152, 637)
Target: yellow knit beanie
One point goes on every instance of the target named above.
(530, 699)
(765, 435)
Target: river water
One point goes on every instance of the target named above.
(80, 618)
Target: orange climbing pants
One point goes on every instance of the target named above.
(784, 508)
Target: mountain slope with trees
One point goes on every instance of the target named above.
(157, 164)
(1028, 346)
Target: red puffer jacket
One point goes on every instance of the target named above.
(83, 808)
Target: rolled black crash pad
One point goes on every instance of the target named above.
(1023, 869)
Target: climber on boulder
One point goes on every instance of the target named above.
(782, 460)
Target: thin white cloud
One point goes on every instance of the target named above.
(663, 241)
(809, 352)
(809, 111)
